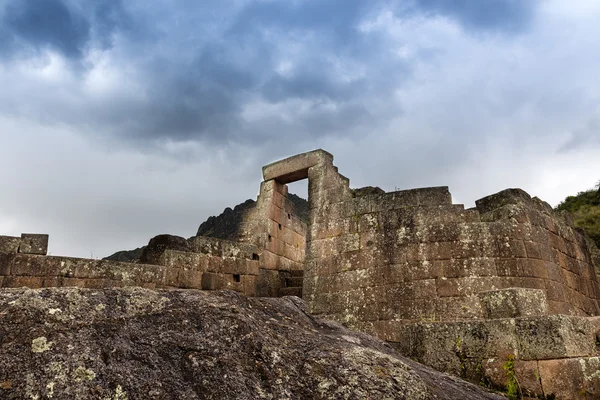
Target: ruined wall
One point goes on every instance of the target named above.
(28, 243)
(274, 227)
(376, 259)
(202, 263)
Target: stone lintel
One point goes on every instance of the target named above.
(295, 168)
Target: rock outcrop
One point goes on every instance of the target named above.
(224, 226)
(132, 256)
(227, 224)
(132, 343)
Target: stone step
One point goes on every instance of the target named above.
(291, 291)
(294, 282)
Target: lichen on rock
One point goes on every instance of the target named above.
(188, 344)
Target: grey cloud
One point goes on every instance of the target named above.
(214, 105)
(47, 23)
(589, 136)
(197, 84)
(57, 24)
(505, 15)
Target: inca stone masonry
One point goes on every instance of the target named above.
(505, 294)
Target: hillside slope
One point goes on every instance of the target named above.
(585, 207)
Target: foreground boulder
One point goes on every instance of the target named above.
(131, 343)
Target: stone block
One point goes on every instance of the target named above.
(159, 244)
(215, 281)
(32, 243)
(190, 279)
(53, 281)
(170, 277)
(459, 308)
(269, 260)
(296, 167)
(526, 375)
(533, 250)
(446, 345)
(440, 232)
(104, 283)
(555, 336)
(438, 250)
(501, 199)
(267, 283)
(249, 285)
(277, 215)
(510, 248)
(471, 248)
(32, 282)
(417, 270)
(448, 287)
(465, 286)
(9, 244)
(573, 378)
(37, 265)
(508, 266)
(433, 196)
(513, 302)
(5, 263)
(535, 268)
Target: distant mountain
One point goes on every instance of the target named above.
(585, 207)
(126, 255)
(224, 226)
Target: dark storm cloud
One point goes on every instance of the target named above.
(59, 25)
(197, 83)
(47, 23)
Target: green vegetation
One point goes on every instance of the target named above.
(513, 391)
(585, 208)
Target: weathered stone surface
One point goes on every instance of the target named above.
(9, 244)
(554, 336)
(570, 378)
(141, 344)
(501, 199)
(223, 248)
(457, 347)
(513, 302)
(406, 238)
(296, 167)
(33, 243)
(158, 244)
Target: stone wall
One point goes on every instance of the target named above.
(412, 255)
(274, 228)
(200, 263)
(28, 243)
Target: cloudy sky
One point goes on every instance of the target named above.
(120, 120)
